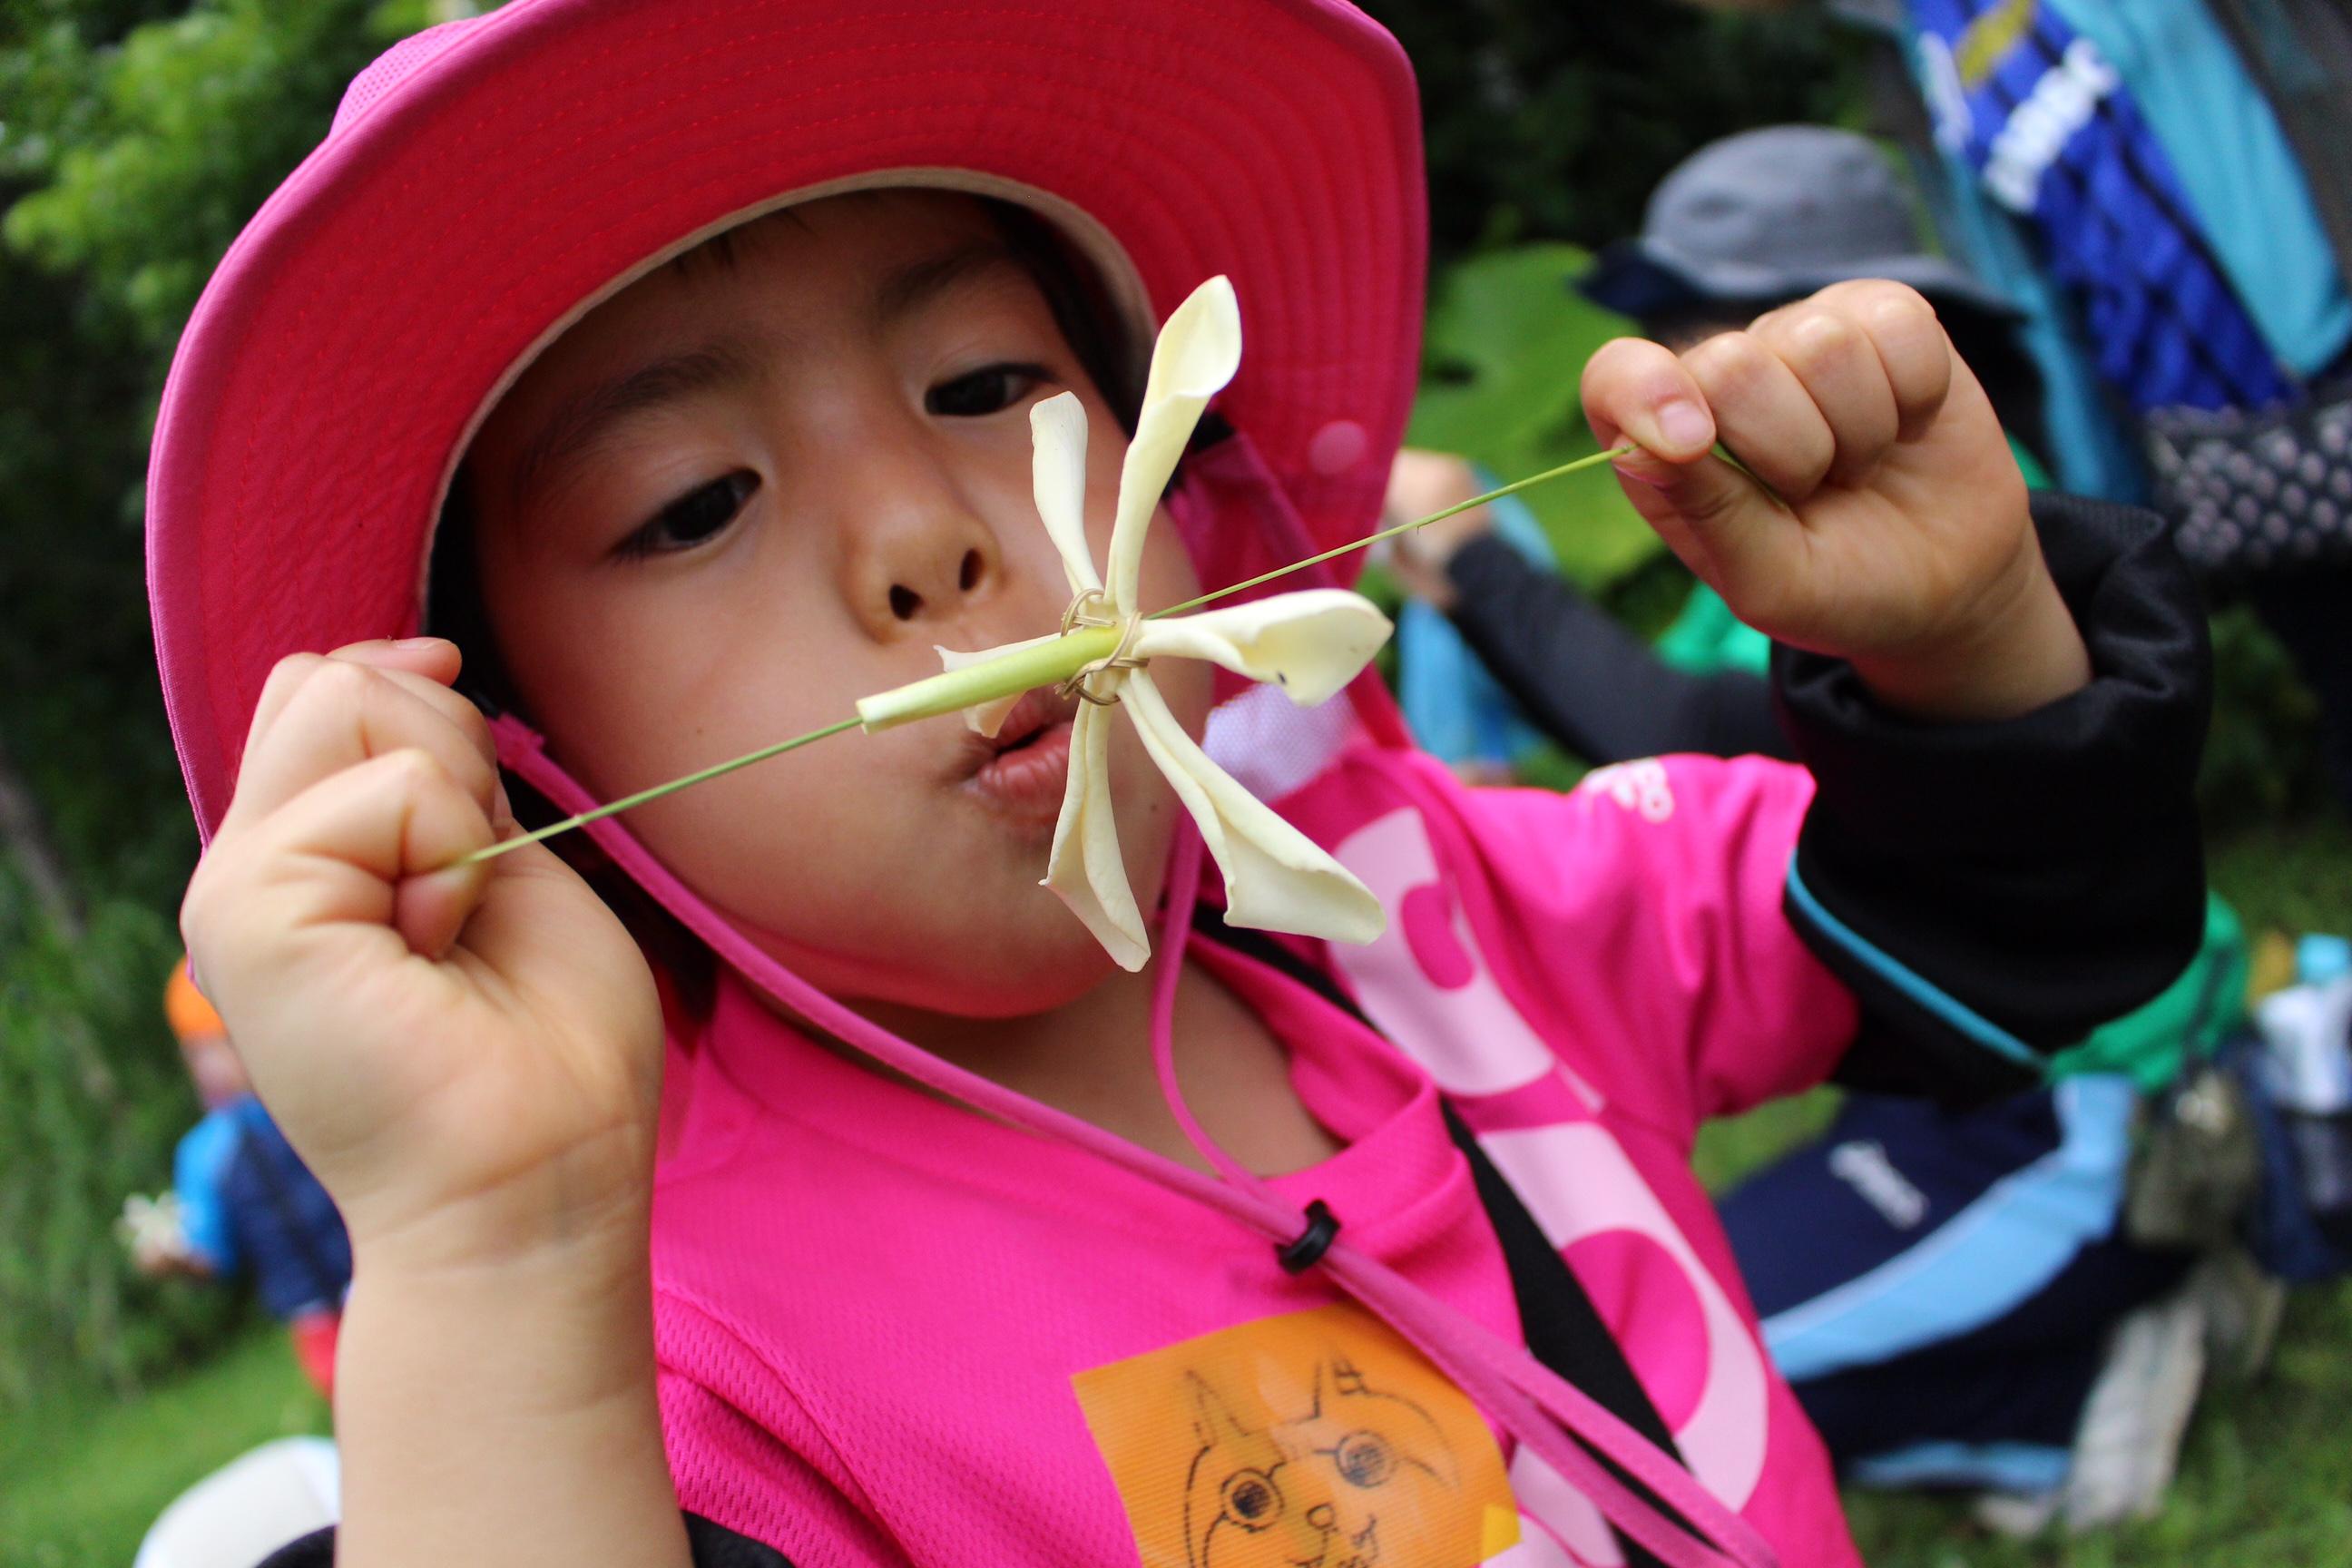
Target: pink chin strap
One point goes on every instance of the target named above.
(1564, 1426)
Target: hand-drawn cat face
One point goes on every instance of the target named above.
(1345, 1485)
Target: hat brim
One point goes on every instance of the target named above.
(365, 320)
(1645, 281)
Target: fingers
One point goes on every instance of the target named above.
(318, 715)
(1912, 346)
(1764, 414)
(1703, 507)
(1641, 392)
(368, 845)
(1821, 391)
(1421, 482)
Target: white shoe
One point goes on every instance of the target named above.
(2128, 1443)
(2243, 1310)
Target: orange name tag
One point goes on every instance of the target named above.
(1315, 1439)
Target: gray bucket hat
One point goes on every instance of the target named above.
(1773, 215)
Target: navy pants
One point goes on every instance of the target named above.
(1937, 1285)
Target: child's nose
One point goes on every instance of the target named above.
(919, 560)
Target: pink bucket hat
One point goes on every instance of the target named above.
(487, 180)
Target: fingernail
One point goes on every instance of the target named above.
(1630, 468)
(415, 643)
(1684, 424)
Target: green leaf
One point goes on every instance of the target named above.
(1506, 342)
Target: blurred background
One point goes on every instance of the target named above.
(136, 137)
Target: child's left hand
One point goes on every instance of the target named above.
(1894, 532)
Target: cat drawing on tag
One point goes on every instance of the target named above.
(1359, 1477)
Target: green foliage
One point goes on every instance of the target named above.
(88, 1471)
(1549, 120)
(136, 137)
(153, 151)
(2262, 754)
(92, 1091)
(1505, 342)
(1545, 128)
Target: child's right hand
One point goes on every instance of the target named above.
(468, 1059)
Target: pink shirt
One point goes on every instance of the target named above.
(893, 1331)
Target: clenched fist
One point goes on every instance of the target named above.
(1881, 517)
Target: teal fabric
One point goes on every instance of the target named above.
(2228, 150)
(1457, 710)
(1706, 636)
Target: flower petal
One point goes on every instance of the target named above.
(1198, 352)
(987, 717)
(1085, 870)
(1277, 878)
(1310, 643)
(1057, 441)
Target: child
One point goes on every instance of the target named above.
(244, 1203)
(700, 497)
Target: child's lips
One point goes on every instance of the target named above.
(1024, 770)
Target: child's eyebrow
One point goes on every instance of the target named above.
(583, 420)
(913, 284)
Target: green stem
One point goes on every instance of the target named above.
(656, 793)
(1017, 671)
(1370, 540)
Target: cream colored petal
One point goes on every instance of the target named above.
(988, 718)
(1198, 352)
(1085, 870)
(1057, 444)
(1309, 644)
(1277, 878)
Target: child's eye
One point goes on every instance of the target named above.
(692, 518)
(988, 390)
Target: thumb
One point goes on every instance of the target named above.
(1710, 512)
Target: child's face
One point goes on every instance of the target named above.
(755, 487)
(214, 1069)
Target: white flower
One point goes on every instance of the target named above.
(1310, 644)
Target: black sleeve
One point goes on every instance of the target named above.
(1993, 892)
(714, 1546)
(1589, 683)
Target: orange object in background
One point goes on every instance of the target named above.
(192, 1017)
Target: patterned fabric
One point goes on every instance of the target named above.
(2257, 492)
(2053, 134)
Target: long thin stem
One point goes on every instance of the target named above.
(644, 796)
(1594, 460)
(656, 792)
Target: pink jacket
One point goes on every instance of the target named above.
(894, 1331)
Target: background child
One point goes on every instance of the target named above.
(704, 496)
(1855, 1243)
(245, 1202)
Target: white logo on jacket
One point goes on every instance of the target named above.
(1428, 987)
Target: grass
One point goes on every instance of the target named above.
(2265, 1482)
(82, 1475)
